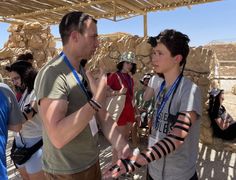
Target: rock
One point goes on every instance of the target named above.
(234, 89)
(6, 53)
(31, 37)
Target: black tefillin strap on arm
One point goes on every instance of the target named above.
(167, 144)
(127, 164)
(161, 148)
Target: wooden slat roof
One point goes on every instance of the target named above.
(51, 11)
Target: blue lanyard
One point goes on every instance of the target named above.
(165, 99)
(81, 85)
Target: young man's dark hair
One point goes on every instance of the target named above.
(175, 41)
(73, 21)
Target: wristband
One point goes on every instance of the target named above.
(96, 103)
(92, 105)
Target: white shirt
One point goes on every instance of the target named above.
(32, 128)
(155, 83)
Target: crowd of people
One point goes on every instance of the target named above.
(55, 112)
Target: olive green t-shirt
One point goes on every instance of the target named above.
(56, 81)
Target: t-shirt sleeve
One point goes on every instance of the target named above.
(155, 82)
(32, 96)
(15, 115)
(151, 82)
(191, 99)
(50, 84)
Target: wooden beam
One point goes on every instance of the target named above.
(13, 21)
(130, 6)
(145, 24)
(41, 12)
(114, 8)
(120, 19)
(173, 5)
(157, 7)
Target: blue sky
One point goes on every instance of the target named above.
(202, 23)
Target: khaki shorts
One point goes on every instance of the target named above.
(92, 173)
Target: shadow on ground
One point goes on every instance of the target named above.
(212, 164)
(216, 164)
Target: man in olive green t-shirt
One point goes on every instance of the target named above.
(68, 103)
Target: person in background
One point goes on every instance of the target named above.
(153, 84)
(70, 102)
(145, 108)
(125, 66)
(23, 76)
(27, 57)
(224, 126)
(173, 143)
(215, 86)
(144, 111)
(11, 118)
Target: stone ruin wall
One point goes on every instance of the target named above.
(200, 68)
(30, 37)
(37, 39)
(226, 54)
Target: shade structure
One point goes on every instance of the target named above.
(51, 11)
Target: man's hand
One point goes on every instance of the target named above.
(142, 110)
(123, 90)
(100, 94)
(123, 166)
(114, 171)
(124, 153)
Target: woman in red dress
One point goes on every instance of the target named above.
(125, 67)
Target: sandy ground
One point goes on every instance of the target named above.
(212, 163)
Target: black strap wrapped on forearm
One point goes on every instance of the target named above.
(163, 147)
(167, 145)
(127, 163)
